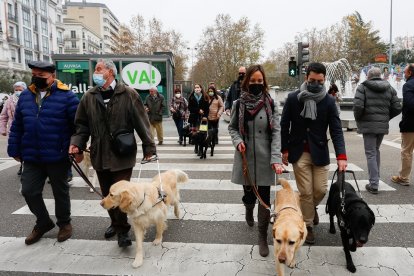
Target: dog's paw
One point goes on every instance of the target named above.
(137, 262)
(351, 268)
(156, 242)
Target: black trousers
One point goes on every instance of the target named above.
(33, 180)
(119, 220)
(250, 198)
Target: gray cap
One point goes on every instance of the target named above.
(42, 65)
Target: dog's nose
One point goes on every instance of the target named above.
(282, 260)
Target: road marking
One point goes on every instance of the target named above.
(76, 256)
(8, 164)
(227, 185)
(390, 213)
(388, 143)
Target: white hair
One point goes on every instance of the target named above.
(109, 64)
(20, 83)
(153, 88)
(374, 72)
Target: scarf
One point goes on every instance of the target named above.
(14, 99)
(309, 101)
(250, 105)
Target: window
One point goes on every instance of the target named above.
(45, 44)
(26, 2)
(27, 33)
(73, 34)
(43, 24)
(73, 44)
(13, 55)
(26, 18)
(60, 50)
(43, 7)
(28, 56)
(11, 31)
(84, 45)
(59, 18)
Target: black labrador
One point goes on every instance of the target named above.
(186, 132)
(204, 140)
(355, 219)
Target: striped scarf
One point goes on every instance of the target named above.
(250, 105)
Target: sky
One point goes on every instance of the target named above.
(280, 20)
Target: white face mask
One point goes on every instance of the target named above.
(211, 94)
(17, 93)
(178, 95)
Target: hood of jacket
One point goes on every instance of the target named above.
(377, 85)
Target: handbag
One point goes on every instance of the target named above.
(123, 142)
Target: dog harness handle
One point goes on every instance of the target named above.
(82, 174)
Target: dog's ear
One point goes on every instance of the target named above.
(301, 234)
(125, 200)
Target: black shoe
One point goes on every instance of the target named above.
(19, 172)
(70, 177)
(371, 190)
(110, 232)
(124, 240)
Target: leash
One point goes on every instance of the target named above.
(78, 169)
(341, 179)
(161, 193)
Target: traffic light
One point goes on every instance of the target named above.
(292, 67)
(303, 53)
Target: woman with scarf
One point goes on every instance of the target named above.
(255, 131)
(216, 108)
(198, 107)
(178, 108)
(7, 114)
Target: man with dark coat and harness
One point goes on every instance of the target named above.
(306, 116)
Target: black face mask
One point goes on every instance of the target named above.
(39, 82)
(241, 76)
(256, 88)
(314, 87)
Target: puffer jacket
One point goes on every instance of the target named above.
(41, 129)
(407, 122)
(155, 106)
(7, 114)
(126, 111)
(375, 104)
(215, 109)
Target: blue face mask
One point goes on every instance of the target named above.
(17, 93)
(98, 79)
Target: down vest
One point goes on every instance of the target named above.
(375, 104)
(41, 131)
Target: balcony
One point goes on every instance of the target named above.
(12, 17)
(60, 41)
(36, 47)
(13, 40)
(91, 42)
(70, 38)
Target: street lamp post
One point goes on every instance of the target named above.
(390, 51)
(192, 64)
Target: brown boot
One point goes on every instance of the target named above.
(65, 232)
(263, 217)
(37, 233)
(316, 217)
(249, 214)
(310, 238)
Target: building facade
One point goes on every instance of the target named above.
(79, 39)
(29, 30)
(99, 19)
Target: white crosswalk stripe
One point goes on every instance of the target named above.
(102, 257)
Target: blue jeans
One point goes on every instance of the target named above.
(179, 124)
(372, 143)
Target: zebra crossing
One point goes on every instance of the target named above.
(210, 238)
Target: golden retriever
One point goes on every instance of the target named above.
(140, 201)
(289, 229)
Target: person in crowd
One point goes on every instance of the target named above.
(255, 131)
(154, 105)
(39, 137)
(178, 108)
(198, 107)
(406, 128)
(334, 92)
(375, 104)
(7, 114)
(105, 110)
(235, 89)
(306, 116)
(216, 108)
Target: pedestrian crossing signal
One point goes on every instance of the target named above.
(292, 68)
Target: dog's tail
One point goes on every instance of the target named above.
(285, 184)
(182, 177)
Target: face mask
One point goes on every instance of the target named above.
(178, 95)
(211, 94)
(39, 82)
(197, 90)
(256, 88)
(241, 76)
(314, 87)
(98, 79)
(17, 93)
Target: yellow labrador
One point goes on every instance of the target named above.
(140, 201)
(289, 229)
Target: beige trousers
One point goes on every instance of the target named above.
(156, 129)
(407, 147)
(312, 183)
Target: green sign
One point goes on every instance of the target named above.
(73, 66)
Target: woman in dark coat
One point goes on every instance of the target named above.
(198, 108)
(255, 130)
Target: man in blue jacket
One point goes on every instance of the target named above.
(406, 128)
(40, 136)
(306, 116)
